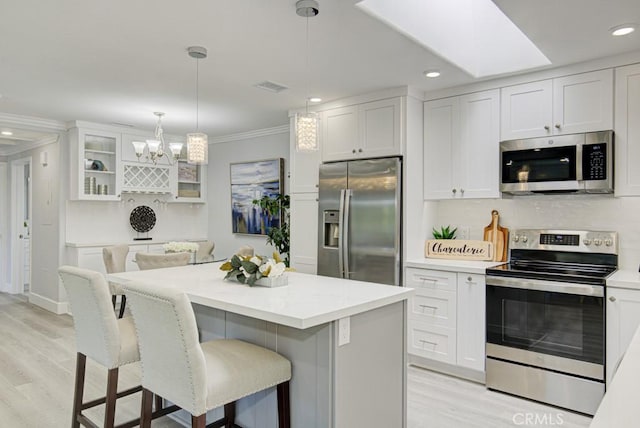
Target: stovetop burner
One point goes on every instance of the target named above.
(555, 255)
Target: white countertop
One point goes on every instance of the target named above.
(466, 266)
(624, 279)
(140, 242)
(307, 301)
(619, 407)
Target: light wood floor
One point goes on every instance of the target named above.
(37, 363)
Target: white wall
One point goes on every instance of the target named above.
(219, 187)
(588, 212)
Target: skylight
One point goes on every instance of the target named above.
(472, 34)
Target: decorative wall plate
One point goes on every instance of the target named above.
(142, 219)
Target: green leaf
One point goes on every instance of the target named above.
(252, 280)
(236, 262)
(249, 266)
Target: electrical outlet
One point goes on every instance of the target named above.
(344, 331)
(463, 232)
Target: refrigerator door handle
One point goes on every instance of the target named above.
(341, 234)
(345, 233)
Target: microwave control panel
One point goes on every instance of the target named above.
(594, 161)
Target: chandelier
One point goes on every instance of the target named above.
(306, 124)
(156, 149)
(197, 144)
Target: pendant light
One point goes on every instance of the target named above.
(306, 124)
(197, 145)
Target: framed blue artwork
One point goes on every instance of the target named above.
(249, 181)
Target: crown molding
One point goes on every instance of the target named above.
(14, 150)
(282, 129)
(29, 122)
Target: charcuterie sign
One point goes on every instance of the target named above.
(457, 249)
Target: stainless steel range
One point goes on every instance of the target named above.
(546, 317)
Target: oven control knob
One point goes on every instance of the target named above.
(597, 241)
(524, 238)
(516, 238)
(586, 241)
(608, 242)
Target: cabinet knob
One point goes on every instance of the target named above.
(612, 299)
(469, 279)
(546, 127)
(453, 191)
(353, 151)
(557, 126)
(360, 150)
(462, 191)
(317, 185)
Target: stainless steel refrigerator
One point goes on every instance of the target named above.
(360, 220)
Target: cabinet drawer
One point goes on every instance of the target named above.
(435, 307)
(434, 342)
(430, 279)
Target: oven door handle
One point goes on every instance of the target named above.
(550, 286)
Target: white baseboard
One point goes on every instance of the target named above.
(48, 304)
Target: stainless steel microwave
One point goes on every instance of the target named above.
(576, 163)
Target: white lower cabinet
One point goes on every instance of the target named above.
(623, 319)
(447, 317)
(91, 257)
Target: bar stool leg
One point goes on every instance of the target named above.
(110, 403)
(158, 401)
(123, 301)
(284, 410)
(199, 421)
(230, 415)
(146, 411)
(81, 364)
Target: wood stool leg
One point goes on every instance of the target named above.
(111, 397)
(230, 415)
(158, 401)
(199, 421)
(146, 408)
(284, 410)
(81, 365)
(123, 302)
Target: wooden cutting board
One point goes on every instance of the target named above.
(497, 235)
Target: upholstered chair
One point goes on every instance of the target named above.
(198, 377)
(115, 261)
(205, 249)
(148, 261)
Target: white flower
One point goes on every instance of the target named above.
(277, 270)
(180, 247)
(256, 260)
(267, 266)
(244, 272)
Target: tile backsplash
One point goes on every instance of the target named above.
(582, 212)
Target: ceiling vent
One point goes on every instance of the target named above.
(271, 86)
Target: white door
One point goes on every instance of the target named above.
(470, 348)
(20, 225)
(623, 318)
(627, 131)
(380, 128)
(339, 133)
(304, 232)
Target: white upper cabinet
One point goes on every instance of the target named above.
(627, 131)
(526, 110)
(461, 150)
(362, 131)
(583, 102)
(565, 105)
(303, 166)
(94, 164)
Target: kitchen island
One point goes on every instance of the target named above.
(346, 341)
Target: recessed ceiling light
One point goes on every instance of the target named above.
(315, 99)
(432, 73)
(622, 30)
(7, 133)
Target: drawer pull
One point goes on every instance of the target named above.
(434, 344)
(424, 278)
(435, 308)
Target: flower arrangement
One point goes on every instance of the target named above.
(180, 247)
(251, 268)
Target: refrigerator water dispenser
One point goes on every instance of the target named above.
(331, 228)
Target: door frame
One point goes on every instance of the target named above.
(17, 192)
(4, 227)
